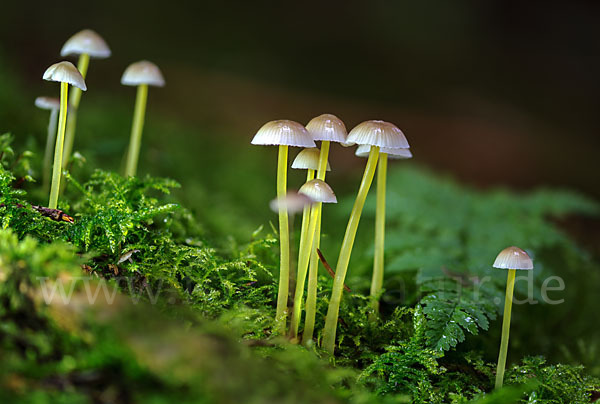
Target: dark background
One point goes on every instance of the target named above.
(495, 92)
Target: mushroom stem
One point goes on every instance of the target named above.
(311, 295)
(377, 280)
(510, 284)
(136, 132)
(75, 98)
(300, 277)
(304, 257)
(58, 149)
(50, 143)
(331, 320)
(284, 243)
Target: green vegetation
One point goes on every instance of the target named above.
(167, 298)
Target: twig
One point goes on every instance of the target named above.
(328, 268)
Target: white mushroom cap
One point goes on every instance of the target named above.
(398, 154)
(283, 132)
(308, 159)
(378, 133)
(318, 191)
(327, 127)
(65, 72)
(292, 201)
(142, 72)
(86, 41)
(513, 258)
(47, 103)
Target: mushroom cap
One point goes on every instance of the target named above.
(397, 154)
(378, 133)
(65, 72)
(327, 127)
(47, 103)
(142, 72)
(294, 202)
(285, 133)
(308, 159)
(318, 191)
(513, 258)
(86, 41)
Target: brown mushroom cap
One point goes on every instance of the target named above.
(327, 127)
(143, 72)
(378, 133)
(283, 132)
(318, 191)
(88, 42)
(65, 72)
(513, 258)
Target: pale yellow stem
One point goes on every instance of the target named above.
(50, 145)
(331, 320)
(300, 277)
(311, 294)
(510, 285)
(136, 131)
(58, 149)
(75, 98)
(311, 297)
(377, 280)
(284, 244)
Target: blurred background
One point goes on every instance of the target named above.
(494, 94)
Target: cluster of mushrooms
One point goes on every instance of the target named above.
(378, 141)
(87, 44)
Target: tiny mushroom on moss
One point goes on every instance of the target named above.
(86, 44)
(376, 134)
(65, 73)
(283, 133)
(511, 258)
(141, 75)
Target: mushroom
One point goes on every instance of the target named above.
(292, 201)
(384, 154)
(376, 134)
(141, 74)
(511, 258)
(65, 73)
(283, 133)
(87, 44)
(307, 159)
(327, 128)
(53, 105)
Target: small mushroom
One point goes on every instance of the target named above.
(327, 128)
(141, 74)
(293, 202)
(86, 44)
(65, 73)
(511, 258)
(307, 159)
(283, 133)
(320, 192)
(378, 267)
(376, 134)
(53, 105)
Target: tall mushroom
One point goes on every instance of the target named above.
(283, 133)
(87, 44)
(307, 159)
(53, 105)
(327, 128)
(376, 134)
(65, 73)
(511, 258)
(141, 74)
(384, 155)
